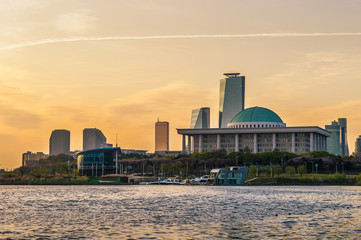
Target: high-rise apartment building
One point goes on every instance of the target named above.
(337, 143)
(161, 136)
(200, 118)
(59, 142)
(358, 147)
(344, 145)
(94, 138)
(334, 141)
(231, 97)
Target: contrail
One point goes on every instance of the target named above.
(257, 35)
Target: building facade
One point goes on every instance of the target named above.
(337, 143)
(255, 130)
(231, 97)
(98, 162)
(94, 138)
(334, 141)
(161, 136)
(29, 159)
(344, 145)
(59, 142)
(358, 147)
(200, 118)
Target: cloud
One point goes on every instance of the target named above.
(18, 118)
(75, 22)
(83, 24)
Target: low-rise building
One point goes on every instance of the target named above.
(30, 159)
(255, 130)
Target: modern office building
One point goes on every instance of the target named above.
(59, 142)
(200, 118)
(337, 143)
(30, 159)
(255, 130)
(334, 141)
(358, 147)
(161, 136)
(94, 138)
(344, 145)
(98, 162)
(231, 97)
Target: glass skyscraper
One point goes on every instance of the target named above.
(344, 145)
(337, 143)
(231, 97)
(200, 118)
(334, 141)
(358, 147)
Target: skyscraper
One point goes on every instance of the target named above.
(161, 136)
(358, 147)
(344, 145)
(334, 141)
(59, 142)
(200, 117)
(231, 97)
(94, 138)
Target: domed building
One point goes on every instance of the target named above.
(255, 129)
(256, 117)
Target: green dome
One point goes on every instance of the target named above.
(256, 114)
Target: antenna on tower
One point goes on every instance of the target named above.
(116, 140)
(158, 119)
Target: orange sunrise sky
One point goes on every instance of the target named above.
(119, 65)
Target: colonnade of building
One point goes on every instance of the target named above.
(312, 142)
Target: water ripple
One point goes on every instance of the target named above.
(179, 212)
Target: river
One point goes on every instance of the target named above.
(179, 212)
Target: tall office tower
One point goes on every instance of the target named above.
(94, 138)
(59, 142)
(231, 98)
(344, 145)
(358, 147)
(200, 117)
(334, 141)
(161, 136)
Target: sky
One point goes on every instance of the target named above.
(118, 65)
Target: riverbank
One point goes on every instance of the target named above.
(308, 180)
(281, 180)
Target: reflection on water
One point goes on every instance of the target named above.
(179, 212)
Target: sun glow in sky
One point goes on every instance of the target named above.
(122, 86)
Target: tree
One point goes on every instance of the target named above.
(277, 171)
(252, 171)
(301, 170)
(291, 171)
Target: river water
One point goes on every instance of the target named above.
(179, 212)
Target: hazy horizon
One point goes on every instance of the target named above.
(119, 65)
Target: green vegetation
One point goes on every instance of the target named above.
(275, 167)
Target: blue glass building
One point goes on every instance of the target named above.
(231, 97)
(200, 118)
(97, 162)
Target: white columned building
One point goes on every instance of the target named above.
(255, 130)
